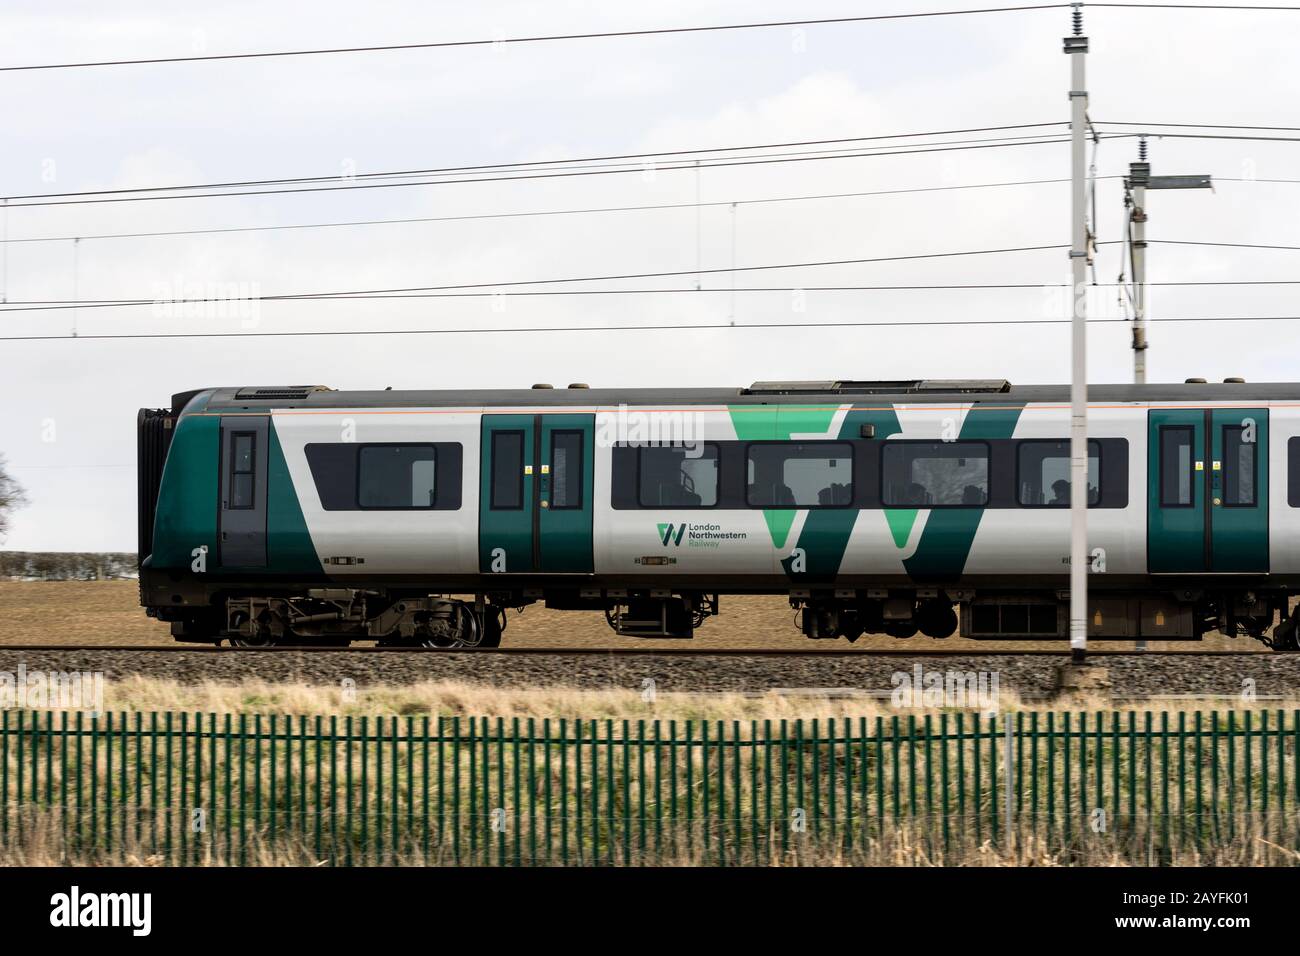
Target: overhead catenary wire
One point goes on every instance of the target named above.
(522, 171)
(437, 170)
(611, 34)
(526, 214)
(609, 158)
(42, 305)
(655, 327)
(348, 186)
(512, 283)
(410, 292)
(602, 165)
(543, 212)
(615, 34)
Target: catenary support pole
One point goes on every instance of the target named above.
(1076, 47)
(1138, 174)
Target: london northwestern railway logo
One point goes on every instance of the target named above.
(672, 535)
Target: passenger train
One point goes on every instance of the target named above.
(307, 515)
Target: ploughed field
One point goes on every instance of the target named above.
(108, 612)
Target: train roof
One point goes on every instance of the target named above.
(911, 392)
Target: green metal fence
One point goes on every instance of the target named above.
(205, 788)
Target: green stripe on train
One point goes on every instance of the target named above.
(185, 518)
(289, 548)
(825, 534)
(778, 423)
(949, 533)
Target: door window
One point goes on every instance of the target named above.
(508, 470)
(566, 470)
(243, 465)
(1176, 466)
(1239, 473)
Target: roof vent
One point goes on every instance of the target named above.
(1234, 381)
(910, 386)
(279, 392)
(543, 385)
(1193, 381)
(579, 385)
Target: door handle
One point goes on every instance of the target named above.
(545, 503)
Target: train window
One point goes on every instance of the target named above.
(1043, 474)
(1176, 466)
(1293, 472)
(929, 474)
(507, 469)
(566, 470)
(396, 476)
(674, 476)
(800, 475)
(243, 464)
(1239, 457)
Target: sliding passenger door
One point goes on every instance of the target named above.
(242, 514)
(1238, 512)
(1207, 490)
(536, 489)
(508, 494)
(564, 519)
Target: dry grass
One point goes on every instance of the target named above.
(108, 612)
(44, 844)
(455, 698)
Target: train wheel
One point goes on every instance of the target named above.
(1286, 636)
(471, 630)
(261, 636)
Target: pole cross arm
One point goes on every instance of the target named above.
(1179, 182)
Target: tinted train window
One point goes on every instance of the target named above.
(677, 477)
(349, 477)
(396, 476)
(1043, 474)
(566, 470)
(925, 474)
(1239, 473)
(800, 475)
(507, 469)
(1176, 466)
(1293, 472)
(243, 464)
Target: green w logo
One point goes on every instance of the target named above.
(666, 533)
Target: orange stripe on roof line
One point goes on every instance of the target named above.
(571, 410)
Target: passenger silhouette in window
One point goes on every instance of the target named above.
(1060, 492)
(836, 494)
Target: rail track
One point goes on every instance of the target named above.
(1026, 674)
(1062, 652)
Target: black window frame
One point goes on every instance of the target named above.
(582, 464)
(1092, 443)
(250, 473)
(361, 454)
(1191, 462)
(850, 454)
(522, 435)
(717, 488)
(1254, 469)
(988, 470)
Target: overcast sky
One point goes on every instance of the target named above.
(68, 428)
